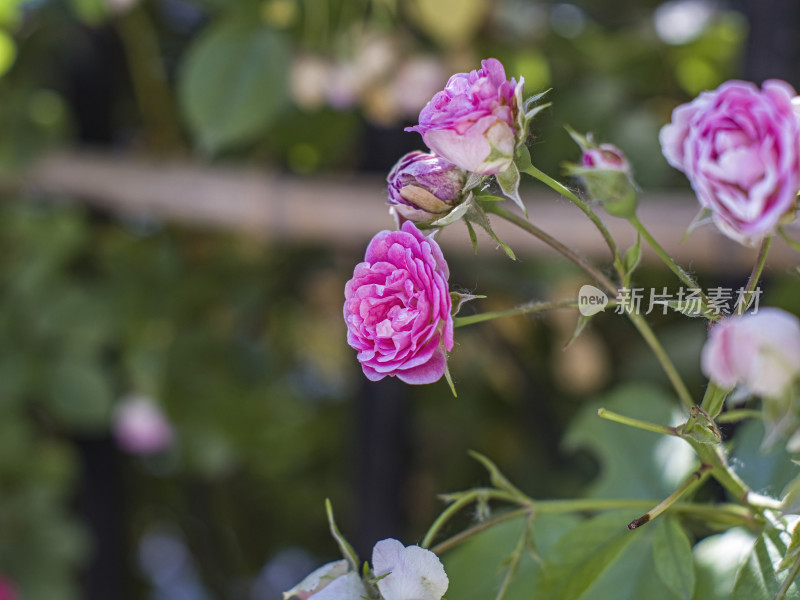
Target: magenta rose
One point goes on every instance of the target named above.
(472, 122)
(740, 148)
(758, 351)
(397, 307)
(424, 187)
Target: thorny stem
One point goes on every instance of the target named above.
(585, 208)
(670, 262)
(639, 424)
(522, 309)
(504, 213)
(638, 321)
(755, 275)
(695, 479)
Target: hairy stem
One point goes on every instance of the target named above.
(755, 275)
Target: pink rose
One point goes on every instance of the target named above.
(472, 121)
(424, 187)
(397, 307)
(759, 351)
(740, 149)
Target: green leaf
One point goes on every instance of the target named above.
(583, 320)
(633, 463)
(768, 472)
(631, 260)
(474, 567)
(582, 555)
(233, 82)
(497, 478)
(717, 558)
(672, 553)
(473, 237)
(757, 578)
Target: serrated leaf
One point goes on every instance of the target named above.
(479, 217)
(233, 82)
(509, 183)
(757, 578)
(672, 553)
(581, 556)
(473, 566)
(717, 559)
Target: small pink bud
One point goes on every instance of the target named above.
(424, 187)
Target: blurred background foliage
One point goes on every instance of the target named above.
(241, 343)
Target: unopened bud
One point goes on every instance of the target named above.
(424, 187)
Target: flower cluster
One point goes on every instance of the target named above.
(398, 573)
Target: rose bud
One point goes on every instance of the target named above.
(605, 174)
(473, 121)
(424, 187)
(738, 147)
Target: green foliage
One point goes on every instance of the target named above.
(757, 579)
(233, 83)
(633, 463)
(672, 554)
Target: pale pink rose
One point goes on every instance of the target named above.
(408, 573)
(397, 307)
(424, 187)
(140, 427)
(740, 148)
(472, 122)
(760, 352)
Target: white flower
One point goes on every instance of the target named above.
(411, 573)
(332, 581)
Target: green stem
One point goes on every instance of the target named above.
(793, 244)
(504, 213)
(465, 500)
(787, 583)
(713, 399)
(755, 275)
(695, 479)
(522, 309)
(638, 321)
(639, 424)
(463, 536)
(585, 208)
(673, 266)
(666, 363)
(149, 80)
(732, 416)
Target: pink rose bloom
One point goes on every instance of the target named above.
(424, 187)
(740, 148)
(140, 427)
(397, 307)
(472, 121)
(759, 351)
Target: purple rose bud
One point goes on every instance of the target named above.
(473, 121)
(424, 187)
(738, 147)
